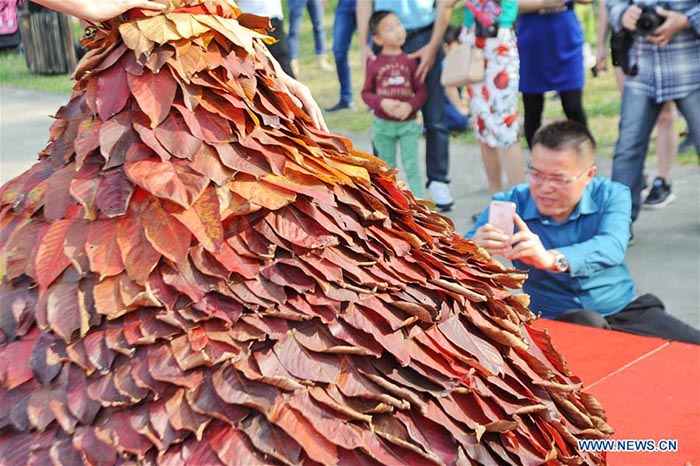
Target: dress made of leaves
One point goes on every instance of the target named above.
(193, 274)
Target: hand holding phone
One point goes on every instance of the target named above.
(501, 215)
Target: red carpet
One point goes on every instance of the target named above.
(649, 387)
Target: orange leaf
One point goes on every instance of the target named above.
(172, 180)
(167, 236)
(102, 248)
(202, 219)
(260, 193)
(138, 255)
(155, 93)
(50, 259)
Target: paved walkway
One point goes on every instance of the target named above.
(665, 259)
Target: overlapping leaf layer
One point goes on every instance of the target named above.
(192, 273)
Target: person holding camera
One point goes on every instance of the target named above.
(572, 237)
(658, 47)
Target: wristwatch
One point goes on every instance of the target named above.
(561, 263)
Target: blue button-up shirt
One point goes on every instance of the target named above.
(667, 72)
(593, 239)
(414, 14)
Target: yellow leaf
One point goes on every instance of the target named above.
(159, 29)
(186, 25)
(135, 39)
(351, 170)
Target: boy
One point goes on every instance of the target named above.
(394, 93)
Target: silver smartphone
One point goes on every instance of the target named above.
(501, 215)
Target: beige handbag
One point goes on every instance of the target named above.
(465, 64)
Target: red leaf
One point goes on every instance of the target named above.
(167, 236)
(202, 219)
(300, 229)
(116, 137)
(74, 247)
(102, 248)
(112, 92)
(148, 137)
(83, 187)
(114, 193)
(87, 140)
(307, 365)
(155, 93)
(50, 259)
(63, 312)
(138, 255)
(58, 197)
(175, 136)
(233, 447)
(172, 180)
(206, 161)
(206, 126)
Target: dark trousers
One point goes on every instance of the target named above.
(645, 315)
(344, 26)
(571, 102)
(280, 49)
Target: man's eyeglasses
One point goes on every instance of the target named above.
(556, 182)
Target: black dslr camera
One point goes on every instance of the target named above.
(620, 45)
(648, 21)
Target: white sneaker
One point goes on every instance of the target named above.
(440, 194)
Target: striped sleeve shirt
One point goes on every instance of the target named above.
(665, 72)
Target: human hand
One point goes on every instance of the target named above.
(101, 10)
(547, 4)
(426, 58)
(675, 21)
(366, 53)
(630, 17)
(601, 58)
(403, 110)
(528, 248)
(492, 239)
(390, 107)
(302, 97)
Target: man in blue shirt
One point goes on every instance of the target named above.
(572, 234)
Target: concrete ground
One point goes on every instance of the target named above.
(665, 259)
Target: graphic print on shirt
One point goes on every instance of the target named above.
(393, 81)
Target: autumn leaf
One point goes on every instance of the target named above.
(155, 93)
(102, 249)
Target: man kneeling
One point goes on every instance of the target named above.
(572, 234)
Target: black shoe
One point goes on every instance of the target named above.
(476, 216)
(659, 196)
(341, 106)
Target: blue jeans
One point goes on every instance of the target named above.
(344, 26)
(437, 137)
(638, 116)
(296, 11)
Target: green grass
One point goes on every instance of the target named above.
(601, 98)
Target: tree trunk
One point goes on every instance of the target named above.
(48, 42)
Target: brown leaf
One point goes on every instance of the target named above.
(202, 219)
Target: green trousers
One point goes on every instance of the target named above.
(386, 134)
